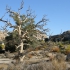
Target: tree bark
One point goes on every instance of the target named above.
(21, 46)
(19, 30)
(21, 42)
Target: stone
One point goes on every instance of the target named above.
(60, 57)
(68, 57)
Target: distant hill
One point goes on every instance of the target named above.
(65, 36)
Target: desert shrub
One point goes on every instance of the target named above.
(40, 66)
(59, 62)
(68, 47)
(67, 50)
(0, 47)
(38, 48)
(29, 55)
(54, 65)
(58, 65)
(17, 66)
(44, 46)
(60, 57)
(62, 51)
(3, 46)
(60, 45)
(10, 47)
(50, 43)
(66, 42)
(42, 42)
(55, 49)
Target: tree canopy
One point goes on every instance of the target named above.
(25, 28)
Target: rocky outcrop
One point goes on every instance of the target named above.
(2, 35)
(54, 38)
(65, 36)
(40, 35)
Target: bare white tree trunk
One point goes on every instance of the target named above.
(19, 30)
(21, 47)
(21, 42)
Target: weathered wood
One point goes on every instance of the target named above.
(31, 61)
(5, 60)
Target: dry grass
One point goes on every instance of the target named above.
(3, 66)
(29, 55)
(53, 65)
(40, 66)
(55, 49)
(59, 65)
(37, 48)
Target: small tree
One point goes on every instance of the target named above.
(25, 26)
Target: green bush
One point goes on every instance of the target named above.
(10, 46)
(60, 44)
(68, 47)
(2, 47)
(67, 50)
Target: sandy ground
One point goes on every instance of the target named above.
(3, 66)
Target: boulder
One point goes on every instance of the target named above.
(68, 57)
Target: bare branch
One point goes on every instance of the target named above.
(6, 21)
(24, 34)
(4, 28)
(44, 20)
(10, 11)
(30, 13)
(24, 20)
(41, 23)
(21, 6)
(4, 15)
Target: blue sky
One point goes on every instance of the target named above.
(57, 11)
